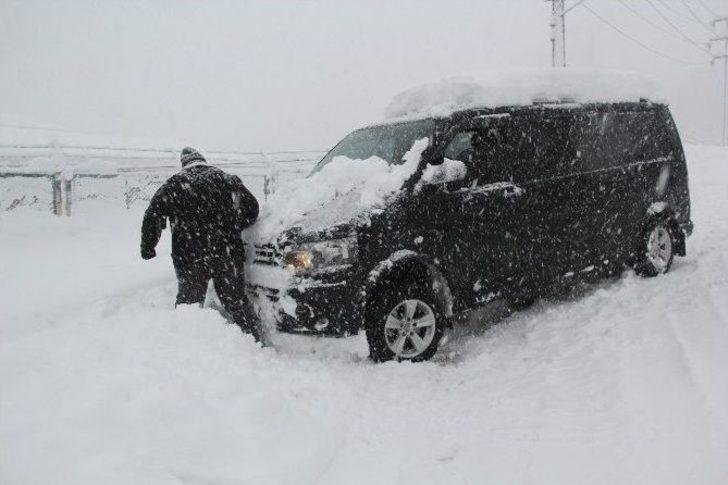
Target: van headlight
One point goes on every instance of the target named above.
(315, 256)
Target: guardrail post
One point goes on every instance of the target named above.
(68, 189)
(267, 179)
(56, 204)
(127, 197)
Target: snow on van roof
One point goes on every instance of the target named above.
(520, 87)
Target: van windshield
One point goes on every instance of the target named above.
(388, 142)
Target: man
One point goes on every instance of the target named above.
(207, 208)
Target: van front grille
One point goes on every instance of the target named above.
(267, 254)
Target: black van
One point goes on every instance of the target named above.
(503, 203)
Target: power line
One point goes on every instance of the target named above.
(626, 5)
(710, 10)
(681, 14)
(579, 2)
(696, 17)
(676, 28)
(668, 7)
(646, 19)
(639, 43)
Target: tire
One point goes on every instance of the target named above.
(656, 249)
(404, 324)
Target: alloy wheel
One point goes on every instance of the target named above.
(659, 248)
(410, 328)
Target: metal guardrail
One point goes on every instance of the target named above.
(127, 163)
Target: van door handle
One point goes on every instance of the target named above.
(512, 190)
(507, 189)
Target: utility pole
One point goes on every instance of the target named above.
(724, 39)
(558, 30)
(558, 34)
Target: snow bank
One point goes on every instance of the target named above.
(335, 194)
(168, 402)
(103, 381)
(520, 87)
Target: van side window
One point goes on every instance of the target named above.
(665, 127)
(651, 138)
(546, 148)
(606, 140)
(614, 139)
(492, 154)
(595, 141)
(486, 152)
(460, 148)
(622, 137)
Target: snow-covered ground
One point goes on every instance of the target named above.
(103, 381)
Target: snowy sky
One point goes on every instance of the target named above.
(288, 75)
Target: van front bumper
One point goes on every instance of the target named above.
(319, 304)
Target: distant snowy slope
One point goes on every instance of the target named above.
(23, 131)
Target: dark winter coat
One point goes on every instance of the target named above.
(207, 208)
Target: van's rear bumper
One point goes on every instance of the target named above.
(687, 228)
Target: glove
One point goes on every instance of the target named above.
(148, 253)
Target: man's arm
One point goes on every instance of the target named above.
(247, 206)
(154, 222)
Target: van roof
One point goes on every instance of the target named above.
(555, 86)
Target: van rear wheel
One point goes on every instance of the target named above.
(404, 324)
(656, 250)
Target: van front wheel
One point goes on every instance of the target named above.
(404, 324)
(657, 250)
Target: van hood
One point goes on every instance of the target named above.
(342, 191)
(330, 221)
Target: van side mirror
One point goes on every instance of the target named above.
(437, 160)
(446, 172)
(429, 155)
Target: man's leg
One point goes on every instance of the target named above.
(229, 281)
(191, 284)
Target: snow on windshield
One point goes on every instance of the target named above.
(520, 87)
(388, 142)
(335, 193)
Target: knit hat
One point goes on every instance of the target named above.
(190, 155)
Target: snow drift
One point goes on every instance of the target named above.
(520, 87)
(103, 381)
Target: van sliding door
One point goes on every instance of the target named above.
(555, 209)
(608, 159)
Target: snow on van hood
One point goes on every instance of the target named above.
(521, 87)
(341, 190)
